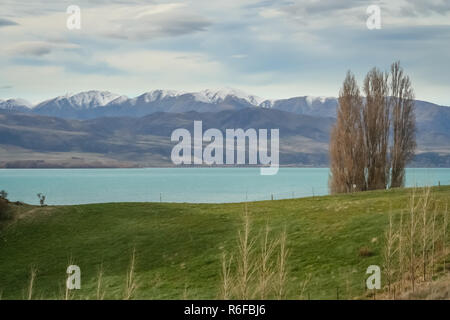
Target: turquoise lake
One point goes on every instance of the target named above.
(79, 186)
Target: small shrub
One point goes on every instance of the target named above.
(41, 199)
(365, 252)
(3, 209)
(3, 195)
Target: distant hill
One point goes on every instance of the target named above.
(100, 128)
(146, 141)
(30, 140)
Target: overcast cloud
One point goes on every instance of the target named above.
(274, 49)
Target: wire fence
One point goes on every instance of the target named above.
(295, 193)
(196, 192)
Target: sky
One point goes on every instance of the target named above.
(272, 49)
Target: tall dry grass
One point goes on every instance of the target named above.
(265, 272)
(258, 272)
(445, 233)
(33, 272)
(68, 294)
(131, 284)
(415, 247)
(246, 266)
(100, 292)
(281, 266)
(303, 287)
(389, 252)
(227, 284)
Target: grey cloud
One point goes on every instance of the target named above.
(6, 22)
(322, 13)
(424, 8)
(168, 24)
(38, 48)
(31, 49)
(322, 7)
(173, 22)
(27, 7)
(184, 25)
(416, 8)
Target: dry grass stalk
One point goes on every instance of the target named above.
(401, 256)
(226, 277)
(425, 208)
(412, 235)
(304, 285)
(100, 294)
(67, 293)
(256, 273)
(266, 266)
(33, 273)
(389, 253)
(131, 284)
(433, 241)
(185, 292)
(281, 266)
(245, 266)
(415, 249)
(444, 232)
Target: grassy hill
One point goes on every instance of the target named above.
(331, 242)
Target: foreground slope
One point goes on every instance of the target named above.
(179, 246)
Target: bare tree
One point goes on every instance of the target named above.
(376, 129)
(346, 145)
(403, 124)
(363, 156)
(3, 195)
(41, 199)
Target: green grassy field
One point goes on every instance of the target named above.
(179, 246)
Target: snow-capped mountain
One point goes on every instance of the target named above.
(313, 106)
(96, 104)
(15, 105)
(83, 105)
(155, 95)
(83, 100)
(220, 95)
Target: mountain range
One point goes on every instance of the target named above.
(103, 129)
(95, 104)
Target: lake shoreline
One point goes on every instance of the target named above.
(179, 184)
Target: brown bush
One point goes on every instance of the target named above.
(365, 252)
(4, 209)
